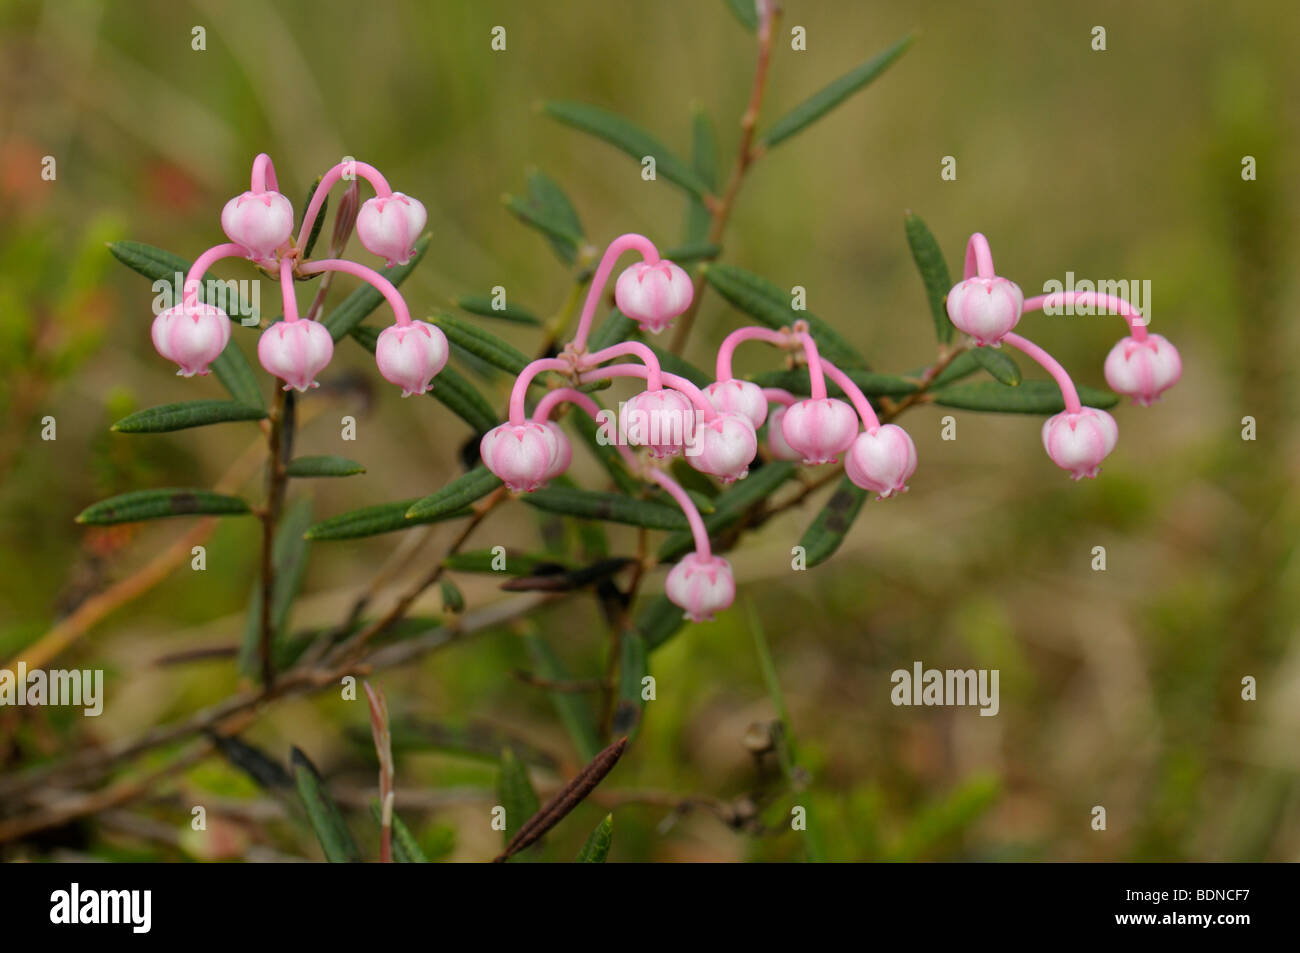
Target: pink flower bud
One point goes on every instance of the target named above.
(563, 451)
(776, 439)
(882, 461)
(702, 585)
(295, 352)
(663, 420)
(985, 308)
(1079, 442)
(739, 397)
(410, 355)
(819, 428)
(260, 222)
(1143, 370)
(727, 446)
(522, 455)
(192, 335)
(652, 295)
(388, 225)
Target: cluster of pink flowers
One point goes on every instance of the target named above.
(1141, 365)
(259, 224)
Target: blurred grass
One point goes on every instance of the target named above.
(1119, 688)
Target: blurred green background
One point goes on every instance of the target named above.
(1119, 688)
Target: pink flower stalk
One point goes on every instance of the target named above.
(192, 335)
(882, 460)
(652, 294)
(522, 455)
(728, 445)
(389, 225)
(259, 222)
(819, 428)
(739, 397)
(1079, 440)
(411, 355)
(1143, 369)
(629, 242)
(667, 419)
(701, 585)
(983, 305)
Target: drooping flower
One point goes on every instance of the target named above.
(882, 461)
(388, 226)
(663, 420)
(192, 335)
(819, 428)
(701, 585)
(652, 295)
(411, 355)
(727, 446)
(739, 397)
(1143, 370)
(259, 222)
(985, 308)
(522, 455)
(295, 352)
(1078, 442)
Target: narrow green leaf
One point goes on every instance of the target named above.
(631, 670)
(450, 388)
(673, 364)
(357, 306)
(659, 621)
(320, 218)
(763, 300)
(326, 465)
(1031, 397)
(487, 561)
(826, 99)
(573, 709)
(481, 343)
(745, 12)
(456, 495)
(157, 504)
(696, 251)
(934, 273)
(630, 138)
(833, 522)
(961, 366)
(871, 383)
(191, 413)
(453, 600)
(557, 232)
(731, 504)
(158, 265)
(596, 849)
(601, 505)
(999, 365)
(704, 160)
(236, 376)
(548, 195)
(373, 520)
(406, 849)
(289, 557)
(606, 453)
(484, 305)
(516, 793)
(326, 819)
(617, 327)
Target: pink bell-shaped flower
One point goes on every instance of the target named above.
(776, 443)
(652, 295)
(663, 420)
(563, 451)
(522, 455)
(295, 352)
(701, 585)
(985, 308)
(259, 222)
(1079, 442)
(388, 226)
(411, 355)
(1143, 370)
(819, 428)
(727, 445)
(739, 397)
(192, 335)
(882, 461)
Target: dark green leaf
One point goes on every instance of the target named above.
(697, 251)
(558, 232)
(601, 505)
(373, 520)
(999, 365)
(1031, 397)
(617, 327)
(630, 138)
(704, 159)
(357, 306)
(158, 265)
(763, 300)
(596, 849)
(190, 413)
(236, 375)
(659, 621)
(548, 196)
(486, 560)
(606, 453)
(833, 522)
(157, 504)
(456, 495)
(320, 218)
(871, 383)
(963, 365)
(326, 820)
(481, 343)
(289, 557)
(826, 99)
(574, 711)
(406, 849)
(325, 465)
(934, 272)
(731, 504)
(516, 793)
(745, 12)
(452, 599)
(483, 304)
(631, 670)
